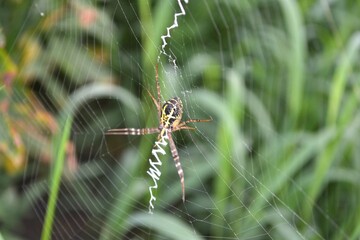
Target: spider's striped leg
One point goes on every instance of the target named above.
(132, 131)
(182, 125)
(158, 107)
(176, 158)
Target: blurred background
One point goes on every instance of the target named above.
(279, 78)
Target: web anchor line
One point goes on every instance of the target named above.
(168, 29)
(153, 171)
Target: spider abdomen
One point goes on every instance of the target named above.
(171, 113)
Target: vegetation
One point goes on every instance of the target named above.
(280, 160)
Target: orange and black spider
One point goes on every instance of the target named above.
(170, 115)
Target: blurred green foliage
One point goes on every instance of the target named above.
(280, 78)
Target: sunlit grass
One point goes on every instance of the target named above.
(60, 146)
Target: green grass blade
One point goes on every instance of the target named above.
(167, 225)
(324, 161)
(261, 115)
(285, 170)
(341, 75)
(146, 33)
(100, 90)
(296, 66)
(356, 233)
(122, 205)
(278, 176)
(229, 140)
(281, 229)
(55, 177)
(82, 95)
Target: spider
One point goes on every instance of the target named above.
(169, 115)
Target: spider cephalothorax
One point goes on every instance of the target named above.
(170, 115)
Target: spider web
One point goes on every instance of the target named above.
(244, 178)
